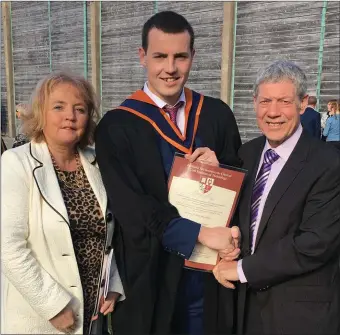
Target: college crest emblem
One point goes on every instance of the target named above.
(206, 184)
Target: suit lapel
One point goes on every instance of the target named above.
(46, 179)
(287, 175)
(93, 175)
(250, 163)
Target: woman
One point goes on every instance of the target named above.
(332, 128)
(325, 116)
(20, 139)
(56, 228)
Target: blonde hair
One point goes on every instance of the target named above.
(34, 120)
(333, 104)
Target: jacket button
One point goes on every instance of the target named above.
(109, 217)
(264, 288)
(246, 253)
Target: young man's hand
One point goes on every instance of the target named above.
(223, 239)
(203, 155)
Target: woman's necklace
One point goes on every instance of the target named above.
(74, 180)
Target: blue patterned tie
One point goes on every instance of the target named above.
(270, 157)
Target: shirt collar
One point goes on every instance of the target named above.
(285, 149)
(158, 101)
(311, 107)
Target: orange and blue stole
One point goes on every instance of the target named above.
(191, 288)
(140, 104)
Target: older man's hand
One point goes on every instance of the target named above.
(225, 273)
(203, 155)
(228, 255)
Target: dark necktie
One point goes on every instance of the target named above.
(270, 157)
(172, 111)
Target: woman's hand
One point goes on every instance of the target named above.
(65, 320)
(109, 303)
(107, 306)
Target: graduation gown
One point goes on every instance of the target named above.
(129, 153)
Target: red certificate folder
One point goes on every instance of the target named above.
(208, 195)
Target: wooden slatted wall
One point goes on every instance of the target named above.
(267, 31)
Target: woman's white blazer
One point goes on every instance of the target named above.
(38, 261)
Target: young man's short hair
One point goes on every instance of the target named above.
(168, 22)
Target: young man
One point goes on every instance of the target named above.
(311, 119)
(135, 147)
(289, 216)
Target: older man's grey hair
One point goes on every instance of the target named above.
(279, 71)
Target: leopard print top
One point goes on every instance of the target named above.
(88, 231)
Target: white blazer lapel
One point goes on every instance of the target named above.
(93, 175)
(46, 179)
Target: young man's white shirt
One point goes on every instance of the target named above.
(180, 118)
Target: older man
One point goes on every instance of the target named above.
(289, 216)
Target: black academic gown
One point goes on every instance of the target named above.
(133, 172)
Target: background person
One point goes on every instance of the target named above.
(332, 128)
(311, 119)
(3, 146)
(21, 111)
(325, 116)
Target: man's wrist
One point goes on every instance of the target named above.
(202, 235)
